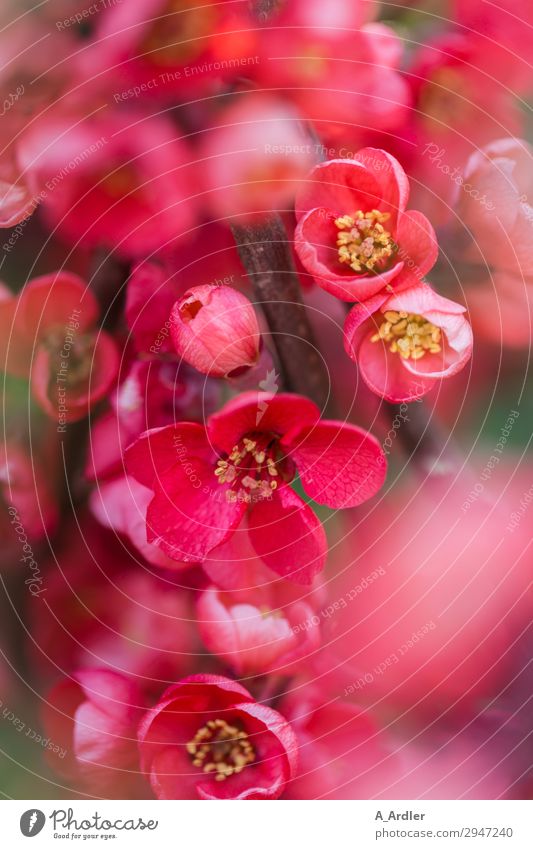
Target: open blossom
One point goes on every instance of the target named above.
(354, 234)
(403, 344)
(48, 335)
(215, 329)
(205, 479)
(93, 716)
(207, 738)
(121, 180)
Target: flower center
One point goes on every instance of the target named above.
(410, 335)
(178, 33)
(221, 748)
(254, 468)
(444, 99)
(77, 352)
(362, 241)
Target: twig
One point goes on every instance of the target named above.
(264, 250)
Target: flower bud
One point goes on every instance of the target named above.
(215, 329)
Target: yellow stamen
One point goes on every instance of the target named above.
(411, 335)
(362, 241)
(223, 749)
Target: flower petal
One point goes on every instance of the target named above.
(384, 373)
(189, 514)
(259, 411)
(315, 242)
(340, 185)
(418, 247)
(159, 449)
(288, 536)
(340, 465)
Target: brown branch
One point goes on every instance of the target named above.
(264, 250)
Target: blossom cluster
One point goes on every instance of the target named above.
(235, 236)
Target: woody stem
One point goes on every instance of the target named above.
(265, 253)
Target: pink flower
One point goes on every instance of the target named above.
(500, 34)
(120, 180)
(254, 157)
(259, 629)
(48, 335)
(498, 208)
(215, 329)
(403, 344)
(164, 47)
(207, 738)
(93, 717)
(332, 64)
(460, 104)
(495, 206)
(205, 479)
(354, 234)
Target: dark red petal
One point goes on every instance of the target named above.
(259, 411)
(159, 449)
(172, 774)
(288, 536)
(190, 513)
(340, 465)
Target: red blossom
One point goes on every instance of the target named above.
(403, 344)
(48, 336)
(205, 479)
(207, 738)
(355, 235)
